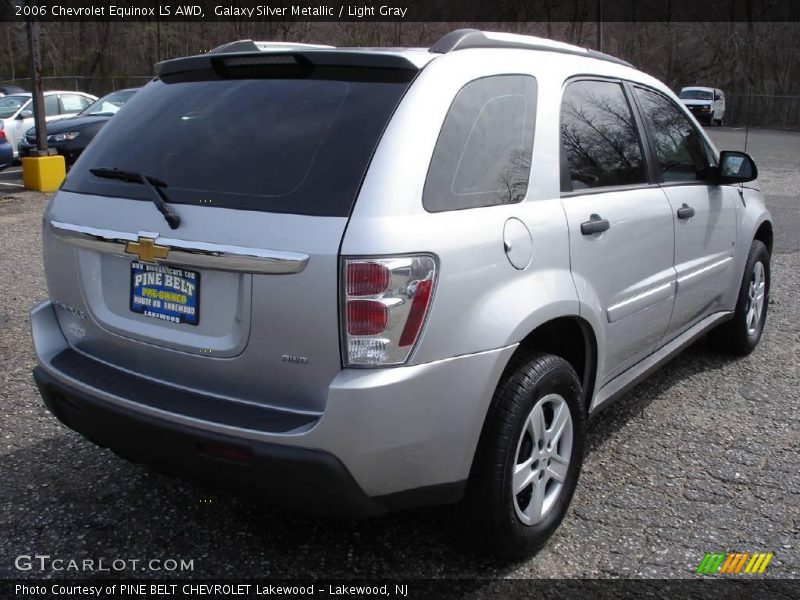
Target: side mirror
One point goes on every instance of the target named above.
(26, 114)
(735, 167)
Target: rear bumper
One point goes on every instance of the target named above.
(703, 116)
(388, 438)
(6, 156)
(310, 480)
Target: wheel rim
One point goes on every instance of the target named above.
(756, 298)
(542, 459)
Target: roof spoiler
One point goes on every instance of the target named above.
(287, 60)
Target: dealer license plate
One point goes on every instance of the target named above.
(166, 293)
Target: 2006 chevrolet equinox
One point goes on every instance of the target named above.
(358, 280)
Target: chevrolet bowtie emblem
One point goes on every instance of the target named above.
(146, 250)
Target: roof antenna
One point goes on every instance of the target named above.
(747, 119)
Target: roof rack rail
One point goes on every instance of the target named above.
(252, 46)
(461, 39)
(237, 46)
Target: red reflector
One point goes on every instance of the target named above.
(419, 306)
(2, 135)
(225, 452)
(366, 317)
(366, 278)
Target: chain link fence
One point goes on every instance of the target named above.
(762, 110)
(99, 86)
(754, 110)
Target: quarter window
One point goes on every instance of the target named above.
(599, 137)
(50, 106)
(681, 152)
(483, 154)
(73, 103)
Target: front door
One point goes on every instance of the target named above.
(704, 214)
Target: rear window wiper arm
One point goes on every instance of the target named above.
(151, 183)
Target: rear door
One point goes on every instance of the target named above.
(704, 214)
(241, 298)
(21, 125)
(621, 237)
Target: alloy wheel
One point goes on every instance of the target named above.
(542, 459)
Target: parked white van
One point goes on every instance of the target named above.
(707, 104)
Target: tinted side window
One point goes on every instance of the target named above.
(483, 154)
(681, 151)
(599, 137)
(50, 106)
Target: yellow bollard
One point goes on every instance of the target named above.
(43, 173)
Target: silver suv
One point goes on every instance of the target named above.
(357, 280)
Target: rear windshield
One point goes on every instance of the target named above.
(696, 95)
(280, 145)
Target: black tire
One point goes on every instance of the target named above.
(490, 506)
(736, 336)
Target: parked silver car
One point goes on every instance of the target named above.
(397, 277)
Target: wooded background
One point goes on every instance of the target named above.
(757, 64)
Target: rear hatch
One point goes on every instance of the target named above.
(260, 157)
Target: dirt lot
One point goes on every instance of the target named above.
(702, 457)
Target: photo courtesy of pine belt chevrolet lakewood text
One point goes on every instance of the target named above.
(400, 277)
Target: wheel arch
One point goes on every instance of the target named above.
(571, 338)
(765, 234)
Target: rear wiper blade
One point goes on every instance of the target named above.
(151, 183)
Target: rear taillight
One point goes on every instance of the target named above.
(366, 317)
(2, 134)
(366, 278)
(419, 308)
(385, 303)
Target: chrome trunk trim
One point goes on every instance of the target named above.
(202, 255)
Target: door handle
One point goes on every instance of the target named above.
(595, 224)
(685, 212)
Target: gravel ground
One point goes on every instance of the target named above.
(701, 457)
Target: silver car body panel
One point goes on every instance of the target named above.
(231, 336)
(417, 425)
(372, 419)
(625, 381)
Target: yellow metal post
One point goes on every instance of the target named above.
(43, 173)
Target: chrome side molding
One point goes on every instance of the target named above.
(645, 299)
(202, 255)
(688, 279)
